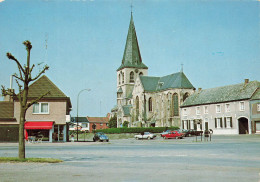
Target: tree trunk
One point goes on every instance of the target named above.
(21, 134)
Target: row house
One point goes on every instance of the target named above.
(232, 109)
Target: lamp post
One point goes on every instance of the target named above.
(78, 112)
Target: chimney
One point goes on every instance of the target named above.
(246, 81)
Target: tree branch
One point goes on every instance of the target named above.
(7, 91)
(43, 71)
(20, 78)
(36, 100)
(10, 56)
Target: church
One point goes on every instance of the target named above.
(147, 101)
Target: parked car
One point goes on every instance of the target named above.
(145, 135)
(100, 136)
(165, 132)
(173, 134)
(185, 132)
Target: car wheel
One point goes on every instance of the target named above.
(136, 138)
(107, 140)
(94, 140)
(148, 138)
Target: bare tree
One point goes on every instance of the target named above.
(24, 78)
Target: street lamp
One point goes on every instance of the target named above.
(78, 112)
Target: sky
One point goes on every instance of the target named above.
(82, 41)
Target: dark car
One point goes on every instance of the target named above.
(101, 137)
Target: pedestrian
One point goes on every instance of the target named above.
(72, 137)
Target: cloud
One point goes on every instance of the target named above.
(2, 1)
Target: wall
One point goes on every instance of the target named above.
(57, 112)
(209, 117)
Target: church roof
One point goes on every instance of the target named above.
(127, 110)
(176, 80)
(120, 90)
(242, 91)
(132, 56)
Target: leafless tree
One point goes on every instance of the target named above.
(23, 80)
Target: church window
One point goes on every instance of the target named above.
(132, 77)
(150, 103)
(186, 95)
(123, 77)
(175, 104)
(137, 107)
(119, 79)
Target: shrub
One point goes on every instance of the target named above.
(136, 130)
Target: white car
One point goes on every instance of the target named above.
(145, 135)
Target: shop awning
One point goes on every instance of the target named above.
(38, 125)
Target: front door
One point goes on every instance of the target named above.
(243, 125)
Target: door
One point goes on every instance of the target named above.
(243, 125)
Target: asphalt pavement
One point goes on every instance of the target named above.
(225, 158)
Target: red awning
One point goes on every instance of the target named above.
(35, 125)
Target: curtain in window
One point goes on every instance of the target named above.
(36, 108)
(44, 108)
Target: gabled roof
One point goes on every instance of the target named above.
(176, 80)
(7, 111)
(98, 119)
(43, 85)
(256, 95)
(222, 94)
(132, 56)
(127, 110)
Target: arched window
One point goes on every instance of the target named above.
(132, 77)
(186, 95)
(123, 77)
(150, 103)
(119, 78)
(141, 74)
(175, 104)
(137, 107)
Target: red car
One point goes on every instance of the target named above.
(173, 134)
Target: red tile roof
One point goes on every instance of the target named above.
(98, 119)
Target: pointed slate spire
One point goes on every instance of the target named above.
(132, 56)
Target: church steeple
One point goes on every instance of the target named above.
(132, 56)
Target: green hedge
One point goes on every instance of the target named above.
(136, 130)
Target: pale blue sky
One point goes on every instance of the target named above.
(217, 41)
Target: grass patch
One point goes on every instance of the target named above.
(34, 160)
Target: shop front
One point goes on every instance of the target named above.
(39, 130)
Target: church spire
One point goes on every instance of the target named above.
(132, 56)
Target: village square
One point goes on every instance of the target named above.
(111, 118)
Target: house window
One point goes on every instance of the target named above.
(258, 107)
(242, 106)
(192, 124)
(227, 107)
(184, 112)
(206, 110)
(150, 103)
(132, 77)
(228, 122)
(218, 109)
(218, 123)
(41, 108)
(198, 110)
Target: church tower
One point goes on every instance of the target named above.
(131, 67)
